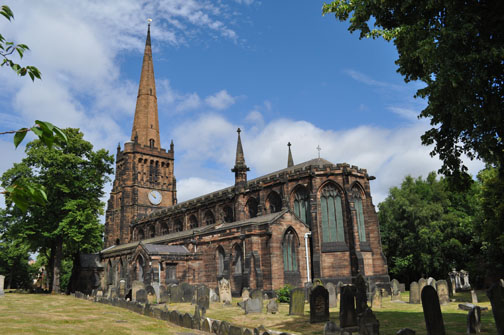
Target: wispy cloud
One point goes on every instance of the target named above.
(220, 100)
(365, 79)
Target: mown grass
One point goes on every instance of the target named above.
(57, 314)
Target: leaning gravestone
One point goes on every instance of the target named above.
(422, 282)
(203, 296)
(253, 305)
(496, 295)
(272, 306)
(396, 293)
(223, 327)
(474, 320)
(376, 302)
(332, 295)
(330, 328)
(176, 294)
(347, 315)
(368, 324)
(297, 299)
(215, 326)
(442, 290)
(414, 295)
(141, 296)
(319, 304)
(224, 291)
(2, 280)
(432, 311)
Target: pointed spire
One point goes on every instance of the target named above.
(240, 169)
(146, 123)
(290, 161)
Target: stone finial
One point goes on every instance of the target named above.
(240, 169)
(290, 161)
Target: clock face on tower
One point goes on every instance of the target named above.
(155, 197)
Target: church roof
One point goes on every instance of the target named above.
(165, 249)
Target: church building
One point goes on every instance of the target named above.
(308, 221)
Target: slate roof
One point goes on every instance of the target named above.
(165, 249)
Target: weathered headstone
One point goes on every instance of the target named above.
(135, 286)
(253, 305)
(474, 320)
(330, 328)
(187, 321)
(402, 287)
(348, 315)
(368, 324)
(224, 291)
(338, 290)
(215, 326)
(422, 282)
(319, 304)
(272, 306)
(464, 276)
(406, 331)
(164, 297)
(141, 296)
(247, 331)
(223, 327)
(297, 299)
(122, 288)
(151, 294)
(245, 294)
(206, 325)
(376, 302)
(257, 294)
(176, 294)
(432, 311)
(332, 295)
(432, 282)
(203, 296)
(442, 291)
(2, 280)
(361, 294)
(496, 295)
(188, 292)
(157, 290)
(214, 297)
(396, 294)
(414, 295)
(474, 297)
(235, 330)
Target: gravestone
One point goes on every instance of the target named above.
(396, 294)
(224, 291)
(247, 331)
(361, 295)
(135, 286)
(338, 290)
(406, 331)
(253, 305)
(187, 321)
(319, 304)
(122, 288)
(188, 292)
(474, 320)
(157, 290)
(496, 295)
(176, 294)
(332, 295)
(474, 297)
(432, 282)
(442, 290)
(368, 324)
(203, 296)
(2, 280)
(464, 276)
(214, 297)
(376, 302)
(414, 295)
(215, 326)
(223, 327)
(245, 294)
(164, 297)
(235, 330)
(257, 294)
(141, 296)
(330, 328)
(272, 306)
(151, 294)
(453, 280)
(347, 315)
(422, 282)
(432, 311)
(206, 325)
(297, 299)
(196, 318)
(402, 287)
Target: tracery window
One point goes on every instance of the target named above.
(289, 246)
(301, 205)
(360, 214)
(332, 215)
(209, 218)
(193, 222)
(274, 202)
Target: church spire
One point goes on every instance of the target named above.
(240, 169)
(146, 123)
(290, 161)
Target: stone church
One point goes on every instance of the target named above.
(313, 220)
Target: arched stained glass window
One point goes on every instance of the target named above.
(332, 215)
(289, 246)
(301, 205)
(360, 214)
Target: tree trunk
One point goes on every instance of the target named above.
(9, 283)
(58, 254)
(72, 285)
(50, 269)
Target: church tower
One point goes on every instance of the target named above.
(144, 179)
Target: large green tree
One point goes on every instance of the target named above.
(73, 176)
(428, 228)
(456, 48)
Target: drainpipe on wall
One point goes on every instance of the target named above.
(307, 256)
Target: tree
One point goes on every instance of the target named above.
(73, 177)
(428, 228)
(456, 48)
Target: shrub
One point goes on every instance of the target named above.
(283, 294)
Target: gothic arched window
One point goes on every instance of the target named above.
(209, 218)
(252, 207)
(274, 202)
(238, 260)
(359, 211)
(228, 214)
(220, 261)
(332, 215)
(141, 234)
(193, 222)
(302, 205)
(164, 228)
(289, 248)
(177, 226)
(152, 231)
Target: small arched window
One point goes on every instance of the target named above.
(151, 143)
(359, 211)
(289, 248)
(209, 218)
(252, 207)
(152, 232)
(193, 222)
(238, 260)
(177, 226)
(274, 202)
(228, 214)
(332, 215)
(141, 234)
(164, 228)
(301, 205)
(220, 261)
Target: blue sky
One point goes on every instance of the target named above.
(279, 70)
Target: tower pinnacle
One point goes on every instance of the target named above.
(240, 169)
(146, 123)
(290, 161)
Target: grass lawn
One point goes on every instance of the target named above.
(56, 314)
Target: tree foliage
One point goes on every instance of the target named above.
(73, 177)
(456, 48)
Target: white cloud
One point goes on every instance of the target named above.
(192, 187)
(220, 100)
(365, 79)
(189, 102)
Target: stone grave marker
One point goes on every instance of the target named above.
(272, 306)
(297, 299)
(330, 328)
(474, 320)
(224, 291)
(332, 295)
(496, 295)
(422, 282)
(141, 296)
(247, 331)
(151, 294)
(406, 331)
(196, 318)
(361, 294)
(442, 290)
(432, 282)
(368, 324)
(122, 288)
(396, 294)
(164, 296)
(188, 292)
(414, 293)
(224, 327)
(253, 305)
(203, 296)
(376, 302)
(176, 294)
(135, 286)
(338, 290)
(245, 294)
(432, 311)
(214, 297)
(2, 281)
(474, 297)
(235, 330)
(215, 326)
(319, 304)
(402, 287)
(257, 294)
(348, 314)
(157, 290)
(187, 321)
(206, 325)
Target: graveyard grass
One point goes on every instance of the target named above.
(58, 314)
